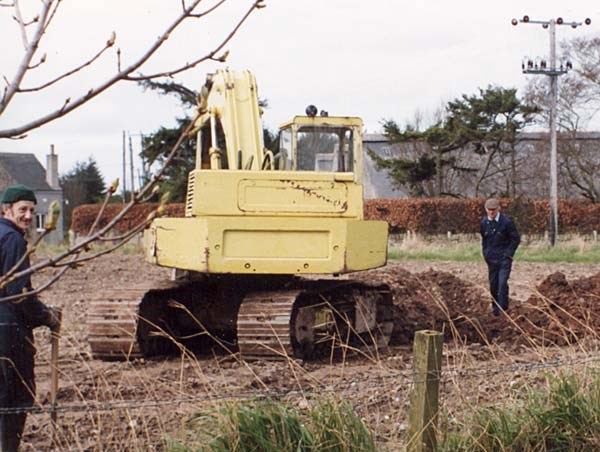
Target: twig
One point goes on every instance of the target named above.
(109, 193)
(210, 56)
(22, 25)
(124, 240)
(208, 11)
(67, 74)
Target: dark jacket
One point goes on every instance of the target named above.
(17, 319)
(499, 240)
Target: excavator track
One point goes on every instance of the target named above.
(113, 318)
(263, 324)
(314, 319)
(266, 318)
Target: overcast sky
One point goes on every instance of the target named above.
(374, 59)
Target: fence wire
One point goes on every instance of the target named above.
(444, 375)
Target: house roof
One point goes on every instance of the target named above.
(25, 169)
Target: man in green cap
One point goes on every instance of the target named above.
(18, 316)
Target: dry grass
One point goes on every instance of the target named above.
(108, 411)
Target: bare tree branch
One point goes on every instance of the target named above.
(38, 64)
(112, 189)
(25, 61)
(89, 62)
(124, 74)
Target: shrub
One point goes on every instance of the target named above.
(564, 417)
(272, 426)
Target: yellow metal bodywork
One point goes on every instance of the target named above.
(260, 219)
(267, 245)
(264, 193)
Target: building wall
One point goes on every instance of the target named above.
(45, 198)
(532, 168)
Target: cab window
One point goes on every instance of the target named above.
(325, 149)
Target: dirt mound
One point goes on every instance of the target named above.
(561, 312)
(440, 301)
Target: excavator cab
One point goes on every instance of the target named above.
(319, 144)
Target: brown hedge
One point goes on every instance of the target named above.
(426, 216)
(438, 216)
(83, 216)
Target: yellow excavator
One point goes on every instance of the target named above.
(261, 254)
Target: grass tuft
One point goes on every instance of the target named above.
(575, 250)
(272, 426)
(564, 417)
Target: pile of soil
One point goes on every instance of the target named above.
(561, 312)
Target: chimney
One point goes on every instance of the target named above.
(52, 169)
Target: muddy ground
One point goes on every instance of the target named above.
(144, 404)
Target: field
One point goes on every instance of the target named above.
(145, 404)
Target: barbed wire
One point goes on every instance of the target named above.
(442, 376)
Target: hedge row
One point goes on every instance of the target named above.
(83, 216)
(426, 216)
(438, 216)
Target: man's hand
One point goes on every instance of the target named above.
(54, 318)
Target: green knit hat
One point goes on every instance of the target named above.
(18, 192)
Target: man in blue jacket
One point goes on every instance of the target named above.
(500, 240)
(18, 317)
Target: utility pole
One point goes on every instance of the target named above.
(124, 167)
(553, 72)
(131, 169)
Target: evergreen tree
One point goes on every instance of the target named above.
(83, 184)
(486, 124)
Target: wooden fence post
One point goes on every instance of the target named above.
(427, 366)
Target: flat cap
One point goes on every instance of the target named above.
(492, 203)
(18, 192)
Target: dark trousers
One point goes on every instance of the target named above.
(11, 429)
(17, 384)
(498, 274)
